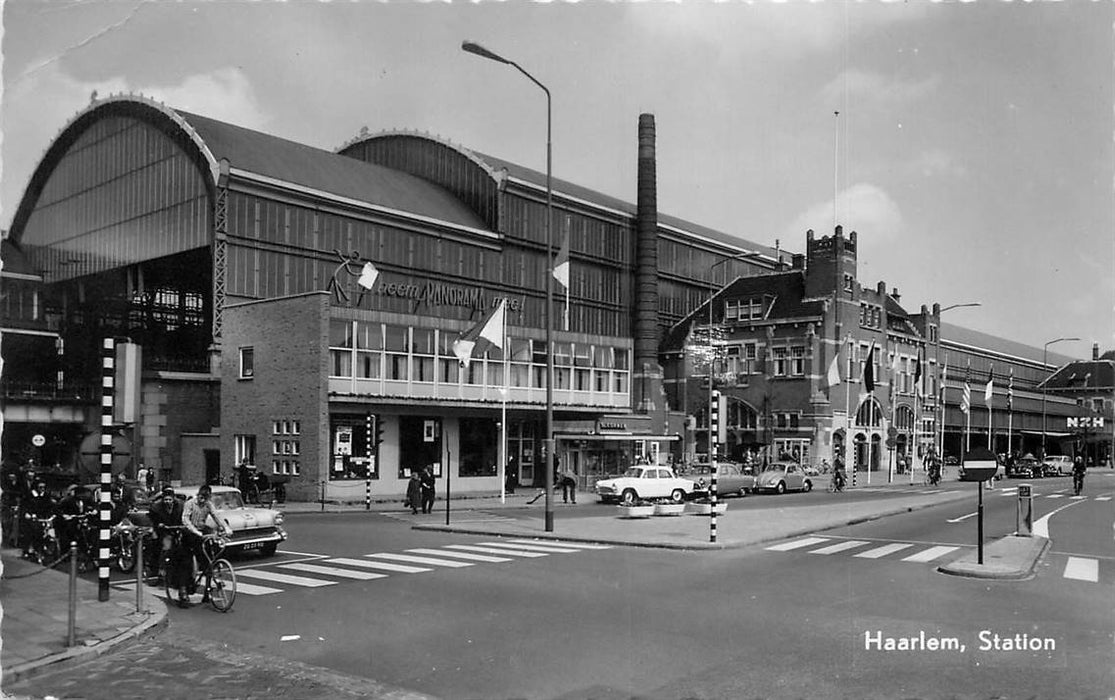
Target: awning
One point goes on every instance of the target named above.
(611, 437)
(1048, 433)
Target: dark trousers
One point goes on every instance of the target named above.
(568, 491)
(427, 500)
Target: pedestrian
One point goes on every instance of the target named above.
(428, 483)
(414, 492)
(569, 487)
(141, 477)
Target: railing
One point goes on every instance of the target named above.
(34, 391)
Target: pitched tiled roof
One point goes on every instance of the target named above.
(323, 170)
(1083, 374)
(966, 336)
(583, 193)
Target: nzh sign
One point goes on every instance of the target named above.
(1086, 422)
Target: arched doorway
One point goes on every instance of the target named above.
(869, 435)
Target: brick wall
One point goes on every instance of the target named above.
(289, 337)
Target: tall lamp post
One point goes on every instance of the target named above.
(548, 442)
(941, 402)
(1044, 356)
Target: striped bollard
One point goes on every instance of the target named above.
(712, 510)
(108, 366)
(368, 465)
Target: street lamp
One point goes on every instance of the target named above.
(941, 402)
(548, 442)
(1044, 354)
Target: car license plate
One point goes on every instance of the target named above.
(253, 545)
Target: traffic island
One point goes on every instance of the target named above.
(1011, 558)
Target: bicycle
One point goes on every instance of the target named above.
(218, 575)
(836, 485)
(1077, 484)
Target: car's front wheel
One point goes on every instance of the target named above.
(628, 497)
(677, 496)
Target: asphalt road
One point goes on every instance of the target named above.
(771, 621)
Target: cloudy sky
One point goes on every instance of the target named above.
(972, 153)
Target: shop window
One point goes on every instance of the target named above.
(349, 449)
(419, 445)
(479, 444)
(247, 363)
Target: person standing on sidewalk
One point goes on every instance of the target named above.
(568, 487)
(414, 492)
(428, 489)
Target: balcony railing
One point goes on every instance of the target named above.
(49, 392)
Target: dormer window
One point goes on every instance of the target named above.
(752, 309)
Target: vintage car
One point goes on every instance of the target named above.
(731, 478)
(1057, 465)
(253, 529)
(645, 482)
(781, 477)
(1025, 468)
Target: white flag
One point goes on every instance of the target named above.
(490, 330)
(368, 276)
(834, 370)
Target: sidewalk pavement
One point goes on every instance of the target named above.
(35, 600)
(35, 623)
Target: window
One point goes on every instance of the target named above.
(244, 448)
(369, 350)
(780, 355)
(397, 343)
(247, 363)
(797, 361)
(750, 355)
(340, 348)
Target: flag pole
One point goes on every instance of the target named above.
(503, 415)
(891, 451)
(847, 416)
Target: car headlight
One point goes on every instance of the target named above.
(279, 518)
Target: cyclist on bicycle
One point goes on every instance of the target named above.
(166, 515)
(37, 505)
(839, 479)
(196, 515)
(1078, 471)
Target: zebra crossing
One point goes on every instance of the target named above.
(1066, 566)
(866, 549)
(329, 571)
(1012, 491)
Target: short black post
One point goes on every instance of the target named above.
(979, 510)
(139, 570)
(71, 625)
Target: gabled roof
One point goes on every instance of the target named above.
(1083, 375)
(15, 260)
(323, 170)
(785, 290)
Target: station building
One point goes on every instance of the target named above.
(226, 266)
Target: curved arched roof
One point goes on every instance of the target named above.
(287, 162)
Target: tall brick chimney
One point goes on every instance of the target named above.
(647, 392)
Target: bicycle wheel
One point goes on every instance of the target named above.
(125, 554)
(222, 586)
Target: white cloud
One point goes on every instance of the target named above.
(867, 91)
(36, 111)
(864, 208)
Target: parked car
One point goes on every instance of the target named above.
(253, 529)
(645, 482)
(781, 477)
(810, 470)
(731, 478)
(1057, 465)
(1025, 468)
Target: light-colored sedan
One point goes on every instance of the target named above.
(781, 477)
(1057, 465)
(731, 478)
(253, 529)
(645, 482)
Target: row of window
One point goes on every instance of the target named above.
(870, 316)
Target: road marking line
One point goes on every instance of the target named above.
(1077, 498)
(460, 555)
(884, 550)
(381, 565)
(1041, 525)
(838, 547)
(561, 543)
(1056, 495)
(303, 554)
(253, 589)
(930, 554)
(334, 571)
(283, 578)
(796, 544)
(530, 547)
(420, 560)
(1082, 569)
(963, 517)
(1103, 498)
(495, 550)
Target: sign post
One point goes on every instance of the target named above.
(980, 464)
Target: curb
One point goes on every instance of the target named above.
(156, 621)
(968, 569)
(464, 529)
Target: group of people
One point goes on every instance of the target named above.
(421, 490)
(169, 516)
